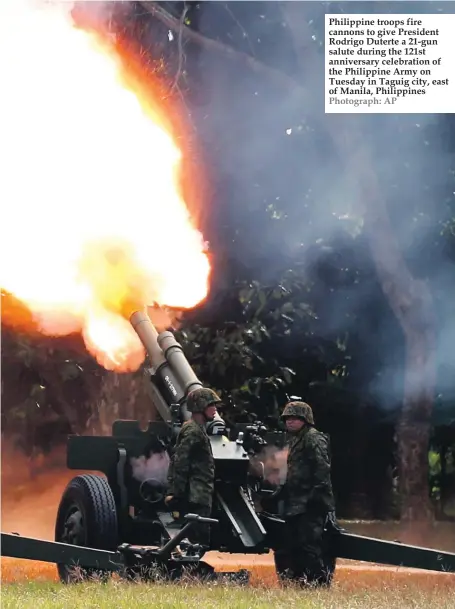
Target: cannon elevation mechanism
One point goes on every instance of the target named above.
(116, 520)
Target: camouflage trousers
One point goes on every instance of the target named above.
(303, 555)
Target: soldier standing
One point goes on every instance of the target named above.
(308, 500)
(192, 469)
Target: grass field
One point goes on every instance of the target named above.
(119, 595)
(33, 585)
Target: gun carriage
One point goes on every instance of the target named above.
(115, 520)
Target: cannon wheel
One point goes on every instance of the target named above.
(87, 516)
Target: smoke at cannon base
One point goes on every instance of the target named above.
(270, 464)
(155, 467)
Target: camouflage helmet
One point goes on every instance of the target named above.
(301, 410)
(200, 399)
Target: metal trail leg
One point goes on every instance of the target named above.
(165, 551)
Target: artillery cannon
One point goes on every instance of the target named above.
(118, 522)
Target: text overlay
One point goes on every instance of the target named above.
(390, 64)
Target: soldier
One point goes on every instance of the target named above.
(192, 470)
(308, 500)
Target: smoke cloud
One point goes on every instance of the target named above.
(269, 149)
(271, 465)
(153, 468)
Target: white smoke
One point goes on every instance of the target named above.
(154, 468)
(271, 464)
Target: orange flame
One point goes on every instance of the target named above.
(93, 223)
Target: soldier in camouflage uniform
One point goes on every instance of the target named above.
(192, 469)
(308, 501)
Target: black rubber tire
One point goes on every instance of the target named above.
(90, 497)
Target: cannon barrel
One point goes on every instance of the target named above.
(173, 353)
(173, 374)
(148, 335)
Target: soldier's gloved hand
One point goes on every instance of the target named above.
(173, 503)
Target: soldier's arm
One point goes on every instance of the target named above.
(321, 492)
(180, 468)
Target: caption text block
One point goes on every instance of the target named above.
(390, 63)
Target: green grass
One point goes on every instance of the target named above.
(120, 595)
